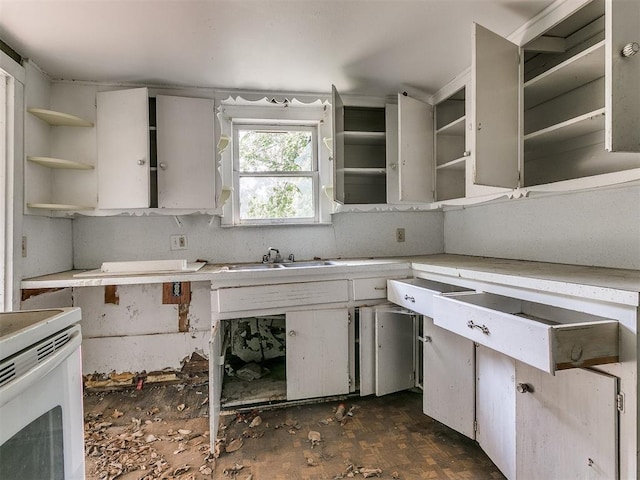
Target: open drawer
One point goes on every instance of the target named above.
(548, 338)
(416, 294)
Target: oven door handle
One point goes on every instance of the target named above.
(21, 384)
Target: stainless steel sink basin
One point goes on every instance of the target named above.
(313, 263)
(267, 266)
(254, 266)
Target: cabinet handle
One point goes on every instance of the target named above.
(292, 333)
(163, 166)
(466, 153)
(483, 328)
(379, 288)
(630, 49)
(393, 166)
(142, 161)
(524, 388)
(411, 299)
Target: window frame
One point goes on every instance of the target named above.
(314, 173)
(306, 110)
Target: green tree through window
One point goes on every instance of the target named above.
(276, 173)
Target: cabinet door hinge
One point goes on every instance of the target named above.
(620, 402)
(475, 426)
(350, 381)
(349, 317)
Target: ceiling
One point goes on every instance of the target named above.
(375, 47)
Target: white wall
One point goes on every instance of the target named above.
(352, 235)
(49, 243)
(49, 240)
(600, 228)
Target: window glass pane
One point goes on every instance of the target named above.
(272, 151)
(276, 197)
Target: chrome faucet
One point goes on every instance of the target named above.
(269, 259)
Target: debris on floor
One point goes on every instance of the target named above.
(142, 435)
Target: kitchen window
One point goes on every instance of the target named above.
(275, 173)
(275, 163)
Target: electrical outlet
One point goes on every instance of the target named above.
(400, 235)
(179, 242)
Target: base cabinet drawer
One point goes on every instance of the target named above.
(264, 297)
(548, 338)
(369, 288)
(416, 294)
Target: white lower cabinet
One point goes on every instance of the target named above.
(387, 343)
(510, 373)
(566, 424)
(317, 353)
(495, 409)
(449, 378)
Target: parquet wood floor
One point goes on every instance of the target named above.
(389, 433)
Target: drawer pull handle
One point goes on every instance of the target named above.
(524, 388)
(379, 288)
(483, 328)
(411, 299)
(292, 333)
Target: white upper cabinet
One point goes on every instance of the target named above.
(415, 151)
(185, 152)
(123, 149)
(383, 153)
(179, 173)
(581, 96)
(493, 123)
(622, 76)
(338, 145)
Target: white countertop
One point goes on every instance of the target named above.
(607, 284)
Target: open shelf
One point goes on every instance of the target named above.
(368, 138)
(58, 206)
(583, 125)
(454, 128)
(59, 119)
(457, 164)
(60, 163)
(364, 171)
(578, 70)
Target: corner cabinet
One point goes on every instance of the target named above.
(476, 122)
(537, 385)
(382, 154)
(581, 96)
(43, 192)
(130, 171)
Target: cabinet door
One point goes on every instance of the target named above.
(494, 126)
(185, 152)
(216, 370)
(395, 344)
(338, 145)
(317, 353)
(387, 350)
(622, 77)
(567, 424)
(123, 148)
(449, 378)
(495, 409)
(415, 150)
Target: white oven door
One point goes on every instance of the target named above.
(41, 415)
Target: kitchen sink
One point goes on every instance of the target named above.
(269, 266)
(313, 263)
(254, 266)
